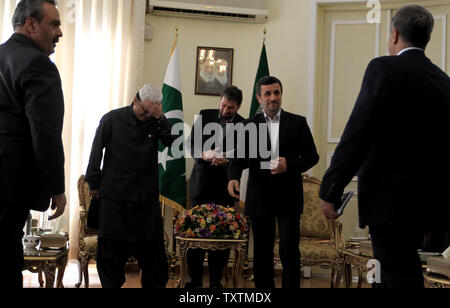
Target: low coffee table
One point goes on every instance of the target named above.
(239, 247)
(47, 262)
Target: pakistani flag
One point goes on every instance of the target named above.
(172, 172)
(263, 71)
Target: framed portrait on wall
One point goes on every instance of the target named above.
(214, 70)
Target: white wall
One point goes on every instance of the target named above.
(287, 48)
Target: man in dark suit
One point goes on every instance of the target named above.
(31, 121)
(209, 178)
(392, 141)
(130, 221)
(275, 193)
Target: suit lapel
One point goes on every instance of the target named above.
(284, 126)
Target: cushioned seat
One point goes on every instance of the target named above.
(91, 244)
(319, 252)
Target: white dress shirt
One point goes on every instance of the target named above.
(274, 128)
(409, 48)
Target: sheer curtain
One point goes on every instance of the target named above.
(100, 59)
(6, 13)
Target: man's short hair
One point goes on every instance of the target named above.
(29, 8)
(150, 93)
(414, 24)
(265, 81)
(233, 94)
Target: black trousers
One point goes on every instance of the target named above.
(264, 243)
(217, 260)
(12, 222)
(400, 263)
(151, 256)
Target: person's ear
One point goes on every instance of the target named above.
(259, 98)
(30, 24)
(395, 36)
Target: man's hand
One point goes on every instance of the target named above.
(95, 194)
(219, 162)
(59, 204)
(154, 108)
(328, 210)
(279, 166)
(209, 156)
(234, 189)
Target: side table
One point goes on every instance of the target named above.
(239, 247)
(353, 258)
(47, 262)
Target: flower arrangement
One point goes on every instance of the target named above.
(211, 221)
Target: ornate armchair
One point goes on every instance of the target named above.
(320, 238)
(87, 238)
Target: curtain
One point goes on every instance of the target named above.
(6, 13)
(100, 59)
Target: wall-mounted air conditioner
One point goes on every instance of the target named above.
(252, 11)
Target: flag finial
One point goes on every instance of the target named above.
(265, 34)
(177, 32)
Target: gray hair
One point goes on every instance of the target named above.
(29, 8)
(414, 24)
(150, 93)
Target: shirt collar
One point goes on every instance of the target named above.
(409, 48)
(276, 118)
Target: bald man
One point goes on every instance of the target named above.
(130, 219)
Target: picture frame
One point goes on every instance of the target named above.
(214, 72)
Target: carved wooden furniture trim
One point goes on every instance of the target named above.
(353, 258)
(239, 247)
(47, 262)
(436, 280)
(87, 238)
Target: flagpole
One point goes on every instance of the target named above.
(177, 34)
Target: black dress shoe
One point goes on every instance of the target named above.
(193, 285)
(215, 285)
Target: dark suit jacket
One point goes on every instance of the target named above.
(395, 138)
(267, 194)
(203, 172)
(31, 121)
(130, 161)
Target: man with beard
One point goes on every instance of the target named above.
(208, 83)
(208, 183)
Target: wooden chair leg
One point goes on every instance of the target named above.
(333, 274)
(86, 275)
(338, 277)
(80, 275)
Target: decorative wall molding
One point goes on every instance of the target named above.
(334, 25)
